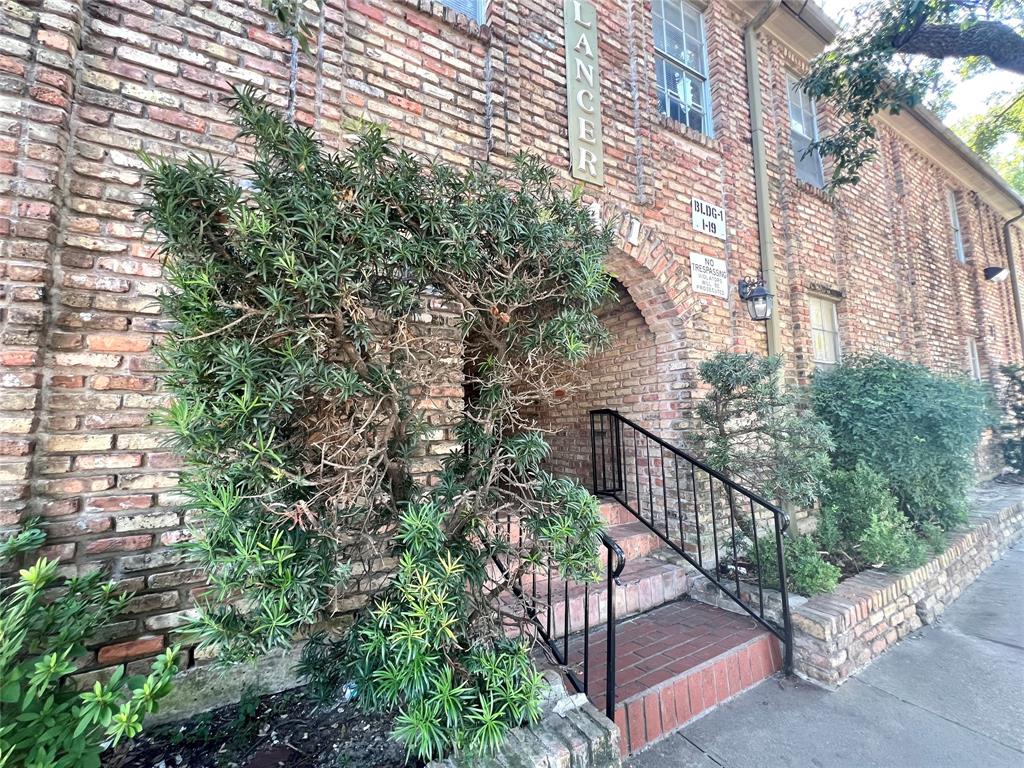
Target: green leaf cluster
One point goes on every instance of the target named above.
(47, 722)
(312, 294)
(1012, 427)
(915, 428)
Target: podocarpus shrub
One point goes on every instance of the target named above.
(755, 433)
(45, 621)
(298, 364)
(917, 429)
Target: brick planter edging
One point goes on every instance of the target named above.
(571, 733)
(839, 633)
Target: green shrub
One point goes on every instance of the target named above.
(889, 540)
(1012, 428)
(299, 363)
(853, 497)
(47, 722)
(807, 571)
(917, 429)
(756, 434)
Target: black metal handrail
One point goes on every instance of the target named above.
(536, 596)
(619, 463)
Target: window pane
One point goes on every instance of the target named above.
(673, 13)
(808, 164)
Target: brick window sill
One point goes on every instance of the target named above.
(822, 194)
(447, 17)
(679, 129)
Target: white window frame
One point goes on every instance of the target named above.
(830, 307)
(807, 108)
(958, 234)
(708, 127)
(479, 8)
(973, 361)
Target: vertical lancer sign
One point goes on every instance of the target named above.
(586, 147)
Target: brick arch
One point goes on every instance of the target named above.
(645, 372)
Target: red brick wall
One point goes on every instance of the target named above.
(84, 86)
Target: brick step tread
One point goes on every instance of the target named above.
(635, 538)
(645, 583)
(675, 662)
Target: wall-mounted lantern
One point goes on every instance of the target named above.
(759, 301)
(996, 274)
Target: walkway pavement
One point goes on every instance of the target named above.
(951, 695)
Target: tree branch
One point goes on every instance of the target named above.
(992, 39)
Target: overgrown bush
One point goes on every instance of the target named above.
(1012, 428)
(754, 432)
(46, 721)
(807, 570)
(299, 364)
(917, 429)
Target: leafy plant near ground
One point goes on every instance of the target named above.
(1012, 428)
(861, 526)
(302, 359)
(807, 570)
(915, 428)
(46, 721)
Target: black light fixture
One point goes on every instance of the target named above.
(759, 301)
(996, 274)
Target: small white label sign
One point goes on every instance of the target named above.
(708, 218)
(709, 275)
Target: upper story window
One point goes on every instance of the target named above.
(803, 122)
(474, 9)
(824, 332)
(973, 362)
(681, 64)
(958, 237)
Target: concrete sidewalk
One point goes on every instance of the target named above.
(952, 695)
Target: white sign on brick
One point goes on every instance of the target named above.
(709, 275)
(708, 218)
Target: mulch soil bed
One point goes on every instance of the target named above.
(284, 729)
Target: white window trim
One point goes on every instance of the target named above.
(973, 360)
(958, 232)
(705, 79)
(793, 83)
(834, 305)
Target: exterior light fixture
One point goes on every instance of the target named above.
(759, 301)
(996, 274)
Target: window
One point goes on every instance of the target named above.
(958, 238)
(473, 9)
(681, 64)
(973, 363)
(824, 332)
(803, 124)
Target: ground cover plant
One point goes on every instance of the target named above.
(309, 297)
(45, 623)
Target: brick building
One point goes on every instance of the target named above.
(895, 264)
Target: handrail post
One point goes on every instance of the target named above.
(787, 621)
(593, 453)
(609, 691)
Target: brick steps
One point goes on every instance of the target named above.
(676, 662)
(645, 583)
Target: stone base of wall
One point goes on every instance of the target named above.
(571, 733)
(837, 634)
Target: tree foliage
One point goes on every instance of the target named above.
(45, 622)
(889, 59)
(309, 295)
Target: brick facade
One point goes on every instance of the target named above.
(84, 86)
